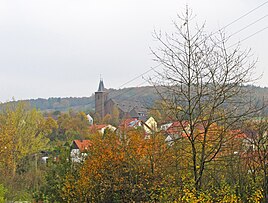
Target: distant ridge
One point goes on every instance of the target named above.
(146, 95)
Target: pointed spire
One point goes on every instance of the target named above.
(101, 86)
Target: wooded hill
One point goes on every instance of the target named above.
(146, 95)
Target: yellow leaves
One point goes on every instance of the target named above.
(257, 196)
(231, 199)
(50, 124)
(20, 132)
(189, 196)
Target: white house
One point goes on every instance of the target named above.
(79, 149)
(150, 125)
(90, 119)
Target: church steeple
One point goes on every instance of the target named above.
(101, 86)
(100, 99)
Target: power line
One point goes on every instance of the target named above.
(246, 14)
(248, 37)
(116, 96)
(249, 25)
(153, 68)
(130, 89)
(234, 21)
(227, 48)
(229, 24)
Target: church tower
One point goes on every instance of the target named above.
(100, 100)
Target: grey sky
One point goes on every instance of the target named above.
(59, 48)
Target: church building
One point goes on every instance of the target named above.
(127, 108)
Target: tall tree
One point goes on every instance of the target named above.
(257, 153)
(203, 81)
(22, 133)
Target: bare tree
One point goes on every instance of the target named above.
(204, 83)
(257, 153)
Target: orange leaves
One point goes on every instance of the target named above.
(121, 169)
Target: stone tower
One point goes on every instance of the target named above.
(100, 100)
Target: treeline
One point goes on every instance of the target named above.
(144, 95)
(60, 104)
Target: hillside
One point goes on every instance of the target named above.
(146, 95)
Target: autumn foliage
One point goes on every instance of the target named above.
(130, 165)
(118, 169)
(130, 168)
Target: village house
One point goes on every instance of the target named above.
(231, 141)
(79, 149)
(130, 123)
(90, 119)
(174, 131)
(149, 126)
(101, 128)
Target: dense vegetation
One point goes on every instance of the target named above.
(124, 166)
(26, 136)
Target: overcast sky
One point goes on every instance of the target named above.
(59, 48)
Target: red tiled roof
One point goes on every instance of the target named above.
(83, 145)
(97, 127)
(177, 127)
(126, 123)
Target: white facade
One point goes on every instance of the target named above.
(77, 156)
(90, 119)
